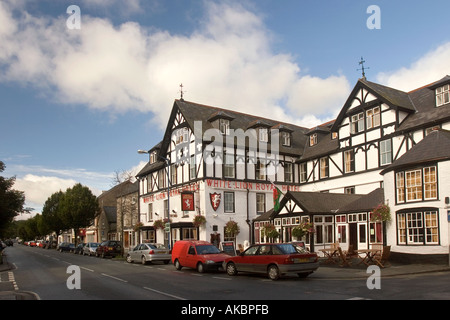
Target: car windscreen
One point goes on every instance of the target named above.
(207, 249)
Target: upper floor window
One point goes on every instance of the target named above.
(385, 152)
(349, 160)
(303, 172)
(443, 95)
(373, 117)
(416, 185)
(286, 139)
(324, 167)
(263, 135)
(153, 157)
(288, 172)
(228, 168)
(313, 139)
(357, 123)
(224, 126)
(181, 135)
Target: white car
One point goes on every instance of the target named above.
(149, 252)
(90, 248)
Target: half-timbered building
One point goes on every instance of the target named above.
(226, 163)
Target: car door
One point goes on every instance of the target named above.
(191, 257)
(245, 261)
(133, 253)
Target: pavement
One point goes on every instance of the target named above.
(333, 271)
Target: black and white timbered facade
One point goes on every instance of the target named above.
(231, 161)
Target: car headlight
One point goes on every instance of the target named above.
(209, 262)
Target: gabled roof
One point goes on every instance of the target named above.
(434, 147)
(198, 112)
(393, 97)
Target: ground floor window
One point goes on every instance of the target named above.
(418, 227)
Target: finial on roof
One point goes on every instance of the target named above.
(181, 92)
(362, 68)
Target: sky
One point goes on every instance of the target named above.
(82, 90)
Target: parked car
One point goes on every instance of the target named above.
(109, 248)
(149, 252)
(79, 248)
(200, 255)
(65, 246)
(90, 248)
(274, 259)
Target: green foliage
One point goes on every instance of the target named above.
(11, 201)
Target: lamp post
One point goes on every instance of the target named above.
(168, 163)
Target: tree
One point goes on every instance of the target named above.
(11, 201)
(79, 208)
(52, 213)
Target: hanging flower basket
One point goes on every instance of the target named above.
(381, 213)
(199, 220)
(232, 228)
(302, 229)
(158, 224)
(270, 231)
(137, 226)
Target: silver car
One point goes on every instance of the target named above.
(149, 252)
(90, 248)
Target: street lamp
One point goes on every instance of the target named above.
(168, 191)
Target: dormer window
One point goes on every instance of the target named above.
(442, 95)
(263, 135)
(373, 117)
(153, 157)
(286, 139)
(224, 126)
(313, 139)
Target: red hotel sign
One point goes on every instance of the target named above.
(242, 185)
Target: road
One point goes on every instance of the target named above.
(45, 272)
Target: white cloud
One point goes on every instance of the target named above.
(433, 66)
(227, 61)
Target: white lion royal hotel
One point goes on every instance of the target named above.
(213, 174)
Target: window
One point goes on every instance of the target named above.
(357, 123)
(349, 161)
(228, 167)
(173, 175)
(260, 203)
(228, 202)
(385, 152)
(166, 208)
(303, 172)
(373, 117)
(324, 229)
(349, 190)
(416, 185)
(442, 95)
(334, 135)
(150, 212)
(224, 126)
(181, 135)
(313, 139)
(153, 157)
(260, 171)
(413, 185)
(286, 139)
(288, 172)
(418, 228)
(324, 167)
(161, 178)
(263, 135)
(192, 168)
(429, 183)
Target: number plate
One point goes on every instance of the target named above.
(301, 260)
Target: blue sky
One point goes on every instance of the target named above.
(76, 105)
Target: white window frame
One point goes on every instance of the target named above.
(288, 172)
(373, 118)
(357, 123)
(443, 95)
(228, 202)
(224, 126)
(385, 152)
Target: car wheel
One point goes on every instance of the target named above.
(129, 260)
(273, 272)
(103, 255)
(200, 267)
(143, 261)
(177, 264)
(231, 269)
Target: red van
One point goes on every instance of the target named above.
(200, 255)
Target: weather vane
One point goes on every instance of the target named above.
(181, 91)
(362, 68)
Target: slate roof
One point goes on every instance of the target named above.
(434, 147)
